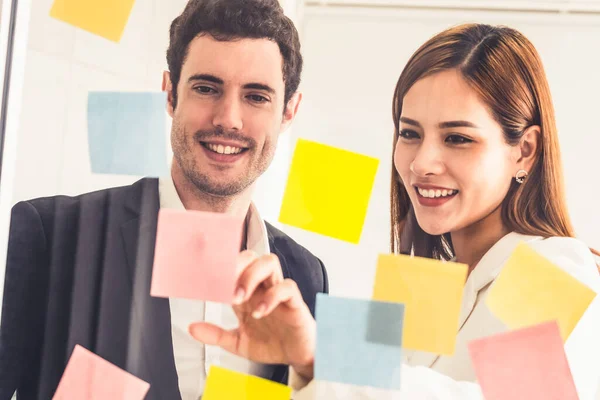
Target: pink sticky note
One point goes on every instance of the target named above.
(195, 255)
(528, 363)
(88, 376)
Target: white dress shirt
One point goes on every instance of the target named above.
(192, 358)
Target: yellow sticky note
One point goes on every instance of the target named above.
(530, 290)
(223, 384)
(106, 18)
(328, 191)
(432, 294)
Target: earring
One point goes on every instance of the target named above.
(520, 176)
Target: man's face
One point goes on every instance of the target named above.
(229, 113)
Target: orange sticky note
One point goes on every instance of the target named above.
(106, 18)
(530, 290)
(432, 293)
(529, 363)
(195, 255)
(88, 376)
(223, 384)
(328, 191)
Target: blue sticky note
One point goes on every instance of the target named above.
(359, 342)
(127, 133)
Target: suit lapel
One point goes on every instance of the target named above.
(150, 350)
(280, 372)
(285, 269)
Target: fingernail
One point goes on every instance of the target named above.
(238, 297)
(191, 329)
(259, 311)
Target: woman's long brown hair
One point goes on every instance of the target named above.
(504, 68)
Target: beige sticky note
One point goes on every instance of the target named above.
(328, 191)
(222, 384)
(530, 290)
(432, 293)
(106, 18)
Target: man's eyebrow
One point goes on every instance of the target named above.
(205, 77)
(260, 86)
(219, 81)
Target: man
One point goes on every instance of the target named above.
(79, 268)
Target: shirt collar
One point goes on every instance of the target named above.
(257, 238)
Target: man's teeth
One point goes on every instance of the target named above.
(219, 148)
(431, 193)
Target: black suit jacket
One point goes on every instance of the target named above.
(78, 272)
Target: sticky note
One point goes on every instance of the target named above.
(106, 18)
(528, 363)
(328, 191)
(127, 133)
(530, 290)
(222, 384)
(432, 293)
(359, 341)
(195, 255)
(88, 376)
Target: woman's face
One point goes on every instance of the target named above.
(451, 154)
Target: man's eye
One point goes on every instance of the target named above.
(258, 98)
(204, 89)
(457, 139)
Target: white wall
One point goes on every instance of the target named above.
(353, 59)
(65, 63)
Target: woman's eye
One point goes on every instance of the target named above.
(457, 139)
(408, 134)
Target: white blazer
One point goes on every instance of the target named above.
(431, 376)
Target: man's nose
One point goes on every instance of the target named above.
(228, 113)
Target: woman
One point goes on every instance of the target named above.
(476, 171)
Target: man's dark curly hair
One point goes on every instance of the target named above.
(231, 20)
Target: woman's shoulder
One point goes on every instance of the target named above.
(571, 255)
(565, 249)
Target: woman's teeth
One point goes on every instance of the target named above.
(219, 148)
(431, 193)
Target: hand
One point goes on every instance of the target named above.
(275, 325)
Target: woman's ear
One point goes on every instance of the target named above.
(529, 145)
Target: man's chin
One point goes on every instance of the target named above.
(220, 189)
